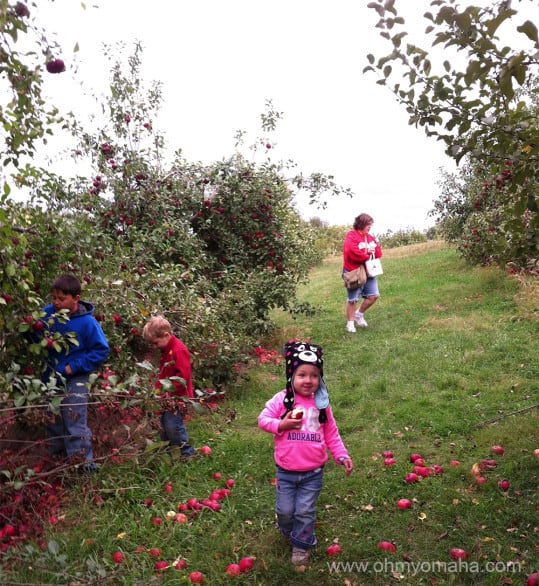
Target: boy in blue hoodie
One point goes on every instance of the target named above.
(71, 366)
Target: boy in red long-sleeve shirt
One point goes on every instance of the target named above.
(175, 363)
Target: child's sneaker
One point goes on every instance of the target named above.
(350, 328)
(360, 320)
(300, 556)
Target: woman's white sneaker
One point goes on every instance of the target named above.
(360, 320)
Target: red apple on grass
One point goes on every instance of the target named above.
(205, 450)
(498, 450)
(232, 570)
(504, 485)
(387, 454)
(536, 454)
(118, 557)
(160, 566)
(196, 578)
(216, 475)
(404, 503)
(387, 546)
(411, 478)
(414, 457)
(389, 461)
(533, 579)
(334, 549)
(246, 564)
(458, 554)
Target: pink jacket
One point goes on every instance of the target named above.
(304, 449)
(357, 251)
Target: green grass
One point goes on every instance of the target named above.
(448, 350)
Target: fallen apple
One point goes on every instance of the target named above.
(480, 480)
(232, 570)
(387, 546)
(458, 554)
(180, 518)
(454, 463)
(389, 461)
(387, 454)
(533, 579)
(504, 485)
(536, 454)
(118, 557)
(498, 450)
(205, 450)
(246, 564)
(196, 578)
(160, 566)
(404, 503)
(411, 478)
(180, 564)
(334, 549)
(414, 457)
(216, 475)
(230, 482)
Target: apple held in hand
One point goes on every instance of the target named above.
(296, 413)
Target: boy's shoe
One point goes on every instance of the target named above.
(350, 328)
(300, 556)
(360, 320)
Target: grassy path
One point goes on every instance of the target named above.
(448, 349)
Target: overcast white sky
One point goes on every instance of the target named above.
(220, 60)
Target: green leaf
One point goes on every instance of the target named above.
(529, 29)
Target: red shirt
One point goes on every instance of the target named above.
(176, 361)
(357, 247)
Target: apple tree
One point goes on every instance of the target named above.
(474, 90)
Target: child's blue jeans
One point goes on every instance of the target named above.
(69, 432)
(173, 430)
(297, 493)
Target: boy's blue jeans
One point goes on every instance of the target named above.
(297, 493)
(173, 430)
(69, 432)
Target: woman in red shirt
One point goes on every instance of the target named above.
(357, 248)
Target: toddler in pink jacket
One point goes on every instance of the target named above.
(304, 429)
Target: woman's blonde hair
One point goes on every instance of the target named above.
(156, 327)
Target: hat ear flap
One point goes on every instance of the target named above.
(288, 401)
